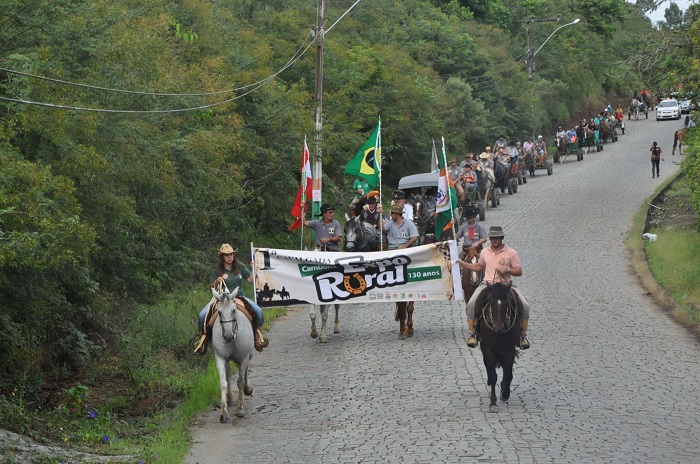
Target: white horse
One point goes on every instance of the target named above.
(635, 106)
(233, 341)
(323, 338)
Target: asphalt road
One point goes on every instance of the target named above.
(610, 378)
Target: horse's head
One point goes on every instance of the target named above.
(500, 312)
(227, 313)
(354, 235)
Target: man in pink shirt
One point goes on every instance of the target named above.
(499, 263)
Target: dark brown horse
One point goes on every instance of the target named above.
(471, 279)
(404, 314)
(499, 328)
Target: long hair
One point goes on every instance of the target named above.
(235, 265)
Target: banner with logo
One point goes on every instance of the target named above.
(291, 277)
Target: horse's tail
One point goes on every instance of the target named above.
(676, 137)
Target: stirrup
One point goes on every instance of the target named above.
(201, 347)
(524, 343)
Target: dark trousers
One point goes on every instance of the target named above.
(655, 165)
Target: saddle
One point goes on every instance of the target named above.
(213, 314)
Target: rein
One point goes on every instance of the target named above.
(487, 316)
(233, 320)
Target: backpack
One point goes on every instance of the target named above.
(656, 153)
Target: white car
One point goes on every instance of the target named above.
(668, 109)
(686, 106)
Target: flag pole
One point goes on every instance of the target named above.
(378, 164)
(302, 185)
(449, 192)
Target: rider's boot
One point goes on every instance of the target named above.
(524, 343)
(202, 344)
(471, 341)
(260, 341)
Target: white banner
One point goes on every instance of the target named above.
(290, 277)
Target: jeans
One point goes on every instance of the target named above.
(655, 165)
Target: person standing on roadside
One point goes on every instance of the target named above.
(656, 156)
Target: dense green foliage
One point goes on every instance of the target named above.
(101, 211)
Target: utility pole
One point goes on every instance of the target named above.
(530, 60)
(317, 175)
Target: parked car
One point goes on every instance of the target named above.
(685, 106)
(668, 109)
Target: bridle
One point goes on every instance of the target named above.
(510, 316)
(359, 234)
(233, 319)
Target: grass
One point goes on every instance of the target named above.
(138, 400)
(672, 262)
(668, 267)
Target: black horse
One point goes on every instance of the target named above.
(499, 331)
(360, 236)
(500, 171)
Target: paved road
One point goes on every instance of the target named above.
(610, 378)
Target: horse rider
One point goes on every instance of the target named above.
(571, 135)
(485, 161)
(455, 173)
(372, 213)
(609, 109)
(519, 149)
(470, 178)
(473, 232)
(541, 146)
(467, 160)
(476, 172)
(499, 263)
(561, 134)
(229, 273)
(501, 142)
(360, 188)
(406, 208)
(619, 113)
(528, 145)
(581, 133)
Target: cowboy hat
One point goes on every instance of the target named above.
(326, 207)
(226, 249)
(484, 155)
(398, 209)
(496, 232)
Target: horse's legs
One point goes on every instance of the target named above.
(336, 326)
(312, 315)
(507, 365)
(409, 321)
(401, 317)
(323, 338)
(221, 365)
(492, 377)
(242, 384)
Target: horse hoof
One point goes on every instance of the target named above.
(493, 408)
(336, 329)
(409, 332)
(240, 412)
(248, 391)
(314, 334)
(224, 419)
(323, 339)
(402, 335)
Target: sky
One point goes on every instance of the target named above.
(658, 15)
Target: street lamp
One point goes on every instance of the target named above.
(555, 31)
(530, 60)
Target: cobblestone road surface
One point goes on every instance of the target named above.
(610, 378)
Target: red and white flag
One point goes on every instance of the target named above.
(304, 191)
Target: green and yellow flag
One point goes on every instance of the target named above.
(367, 161)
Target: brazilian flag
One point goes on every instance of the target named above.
(367, 160)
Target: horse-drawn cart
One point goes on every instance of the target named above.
(573, 149)
(543, 162)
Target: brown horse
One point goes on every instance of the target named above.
(404, 309)
(499, 328)
(471, 279)
(678, 141)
